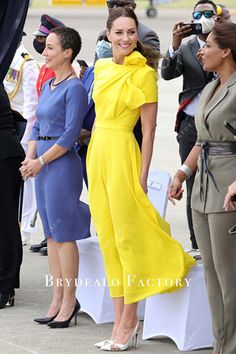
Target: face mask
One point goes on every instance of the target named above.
(38, 46)
(103, 49)
(207, 24)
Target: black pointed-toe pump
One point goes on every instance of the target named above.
(45, 320)
(65, 324)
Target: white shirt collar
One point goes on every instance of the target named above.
(200, 42)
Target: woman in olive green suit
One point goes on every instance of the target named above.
(214, 160)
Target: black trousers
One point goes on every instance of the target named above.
(10, 238)
(186, 138)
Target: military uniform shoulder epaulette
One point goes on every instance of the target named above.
(18, 75)
(26, 56)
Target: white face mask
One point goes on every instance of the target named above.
(207, 24)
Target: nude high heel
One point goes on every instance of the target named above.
(103, 342)
(132, 342)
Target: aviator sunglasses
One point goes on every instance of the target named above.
(112, 4)
(207, 14)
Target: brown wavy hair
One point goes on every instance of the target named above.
(225, 37)
(151, 54)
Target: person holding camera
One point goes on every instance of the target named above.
(213, 158)
(185, 59)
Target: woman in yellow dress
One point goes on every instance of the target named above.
(141, 259)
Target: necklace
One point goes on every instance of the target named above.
(54, 85)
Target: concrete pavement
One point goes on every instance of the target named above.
(20, 335)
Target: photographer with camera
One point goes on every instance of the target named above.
(185, 59)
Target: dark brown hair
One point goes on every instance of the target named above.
(225, 37)
(69, 38)
(151, 54)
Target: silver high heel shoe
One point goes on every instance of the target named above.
(103, 342)
(132, 342)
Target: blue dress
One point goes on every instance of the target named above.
(60, 113)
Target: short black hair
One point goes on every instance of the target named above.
(69, 39)
(201, 2)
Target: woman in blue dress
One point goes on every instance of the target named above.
(51, 157)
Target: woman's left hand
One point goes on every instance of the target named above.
(228, 203)
(143, 182)
(30, 168)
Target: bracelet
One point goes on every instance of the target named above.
(41, 160)
(186, 170)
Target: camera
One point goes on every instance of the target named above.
(196, 28)
(82, 63)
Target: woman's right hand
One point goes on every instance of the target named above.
(175, 190)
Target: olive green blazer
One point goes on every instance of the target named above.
(210, 116)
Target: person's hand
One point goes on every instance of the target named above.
(143, 182)
(200, 54)
(30, 168)
(23, 168)
(82, 71)
(175, 190)
(179, 32)
(84, 135)
(228, 203)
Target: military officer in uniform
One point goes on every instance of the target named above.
(46, 25)
(20, 85)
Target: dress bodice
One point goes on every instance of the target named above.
(120, 91)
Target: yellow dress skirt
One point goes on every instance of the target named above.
(140, 256)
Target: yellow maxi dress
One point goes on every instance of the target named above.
(140, 256)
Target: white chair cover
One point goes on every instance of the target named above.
(183, 316)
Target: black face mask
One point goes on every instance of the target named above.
(38, 46)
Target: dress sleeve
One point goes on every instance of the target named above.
(149, 86)
(198, 142)
(35, 131)
(76, 101)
